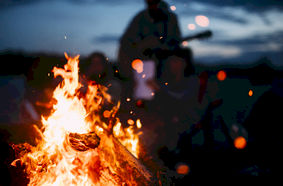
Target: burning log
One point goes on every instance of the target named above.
(83, 142)
(129, 168)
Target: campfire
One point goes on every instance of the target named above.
(74, 146)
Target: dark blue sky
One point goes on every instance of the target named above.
(243, 31)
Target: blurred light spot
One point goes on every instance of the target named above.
(221, 75)
(183, 169)
(106, 114)
(240, 142)
(139, 125)
(107, 59)
(202, 20)
(128, 99)
(137, 65)
(191, 26)
(160, 37)
(251, 93)
(48, 74)
(116, 71)
(152, 93)
(130, 122)
(166, 83)
(139, 103)
(131, 112)
(65, 37)
(143, 76)
(185, 43)
(173, 8)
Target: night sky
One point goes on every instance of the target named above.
(243, 31)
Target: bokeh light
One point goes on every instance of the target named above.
(183, 169)
(251, 93)
(240, 142)
(173, 8)
(202, 20)
(191, 26)
(185, 43)
(137, 65)
(221, 75)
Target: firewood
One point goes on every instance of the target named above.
(83, 142)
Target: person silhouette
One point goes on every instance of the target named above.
(151, 32)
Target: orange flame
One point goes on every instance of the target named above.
(53, 161)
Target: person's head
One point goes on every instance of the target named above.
(179, 63)
(152, 4)
(96, 65)
(157, 9)
(176, 65)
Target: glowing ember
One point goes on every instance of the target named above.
(75, 146)
(107, 114)
(130, 122)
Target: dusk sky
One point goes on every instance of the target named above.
(243, 31)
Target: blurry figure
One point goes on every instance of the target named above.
(264, 125)
(98, 69)
(177, 95)
(151, 31)
(178, 101)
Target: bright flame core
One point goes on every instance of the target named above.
(53, 161)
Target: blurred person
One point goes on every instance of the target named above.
(151, 31)
(97, 68)
(264, 126)
(176, 98)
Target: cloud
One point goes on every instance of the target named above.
(252, 5)
(12, 3)
(107, 38)
(213, 11)
(272, 40)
